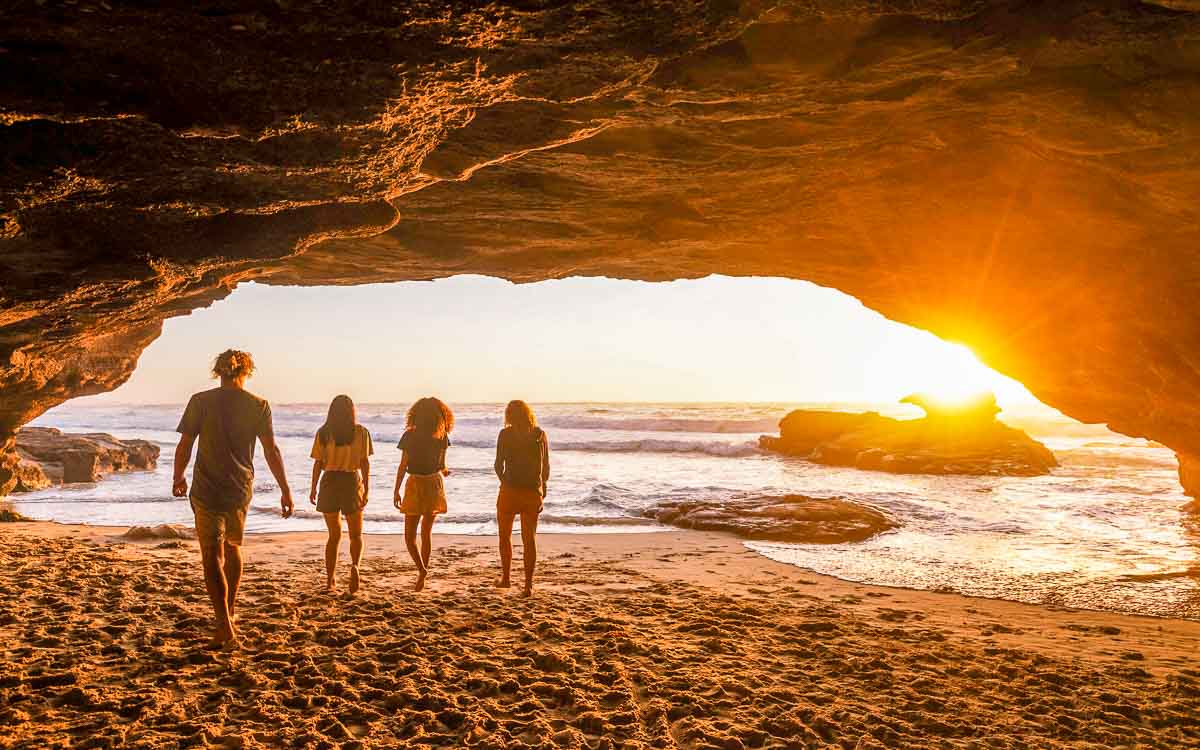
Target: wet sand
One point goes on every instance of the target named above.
(674, 640)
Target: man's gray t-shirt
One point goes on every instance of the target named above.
(227, 421)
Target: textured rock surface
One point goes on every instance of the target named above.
(63, 458)
(1017, 175)
(941, 443)
(786, 518)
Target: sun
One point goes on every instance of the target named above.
(953, 376)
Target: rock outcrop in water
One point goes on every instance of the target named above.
(48, 456)
(1019, 176)
(963, 440)
(784, 518)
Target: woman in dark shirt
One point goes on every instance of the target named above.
(424, 443)
(523, 466)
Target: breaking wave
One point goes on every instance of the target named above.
(658, 424)
(650, 445)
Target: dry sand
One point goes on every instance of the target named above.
(680, 639)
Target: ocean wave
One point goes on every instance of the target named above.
(52, 496)
(701, 426)
(650, 445)
(653, 424)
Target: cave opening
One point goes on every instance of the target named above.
(655, 394)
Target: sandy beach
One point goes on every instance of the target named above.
(676, 640)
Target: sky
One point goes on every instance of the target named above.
(479, 339)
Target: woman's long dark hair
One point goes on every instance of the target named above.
(430, 416)
(340, 422)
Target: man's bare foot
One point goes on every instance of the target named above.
(504, 583)
(528, 592)
(421, 580)
(330, 586)
(353, 580)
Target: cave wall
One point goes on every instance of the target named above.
(1020, 176)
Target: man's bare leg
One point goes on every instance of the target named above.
(505, 522)
(333, 523)
(233, 576)
(354, 522)
(212, 557)
(529, 522)
(410, 541)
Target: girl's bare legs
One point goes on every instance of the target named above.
(333, 522)
(410, 541)
(505, 521)
(354, 522)
(529, 522)
(426, 538)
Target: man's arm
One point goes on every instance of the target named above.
(275, 462)
(183, 457)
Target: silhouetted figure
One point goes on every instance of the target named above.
(227, 421)
(523, 466)
(341, 480)
(424, 443)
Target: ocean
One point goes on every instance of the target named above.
(1106, 530)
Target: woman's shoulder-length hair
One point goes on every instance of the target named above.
(518, 415)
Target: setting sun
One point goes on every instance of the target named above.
(952, 375)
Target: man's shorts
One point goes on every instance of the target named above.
(216, 527)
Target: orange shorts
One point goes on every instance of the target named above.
(513, 501)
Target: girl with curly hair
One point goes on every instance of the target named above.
(423, 458)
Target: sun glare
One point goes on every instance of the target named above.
(953, 376)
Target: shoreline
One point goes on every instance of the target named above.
(317, 538)
(683, 639)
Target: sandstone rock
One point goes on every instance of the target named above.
(944, 442)
(29, 476)
(784, 518)
(162, 531)
(8, 515)
(49, 456)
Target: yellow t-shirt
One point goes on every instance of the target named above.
(343, 457)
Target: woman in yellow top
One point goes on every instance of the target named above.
(342, 472)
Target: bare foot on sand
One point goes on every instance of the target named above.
(528, 592)
(354, 580)
(504, 583)
(330, 586)
(223, 639)
(421, 580)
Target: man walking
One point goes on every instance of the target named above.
(227, 420)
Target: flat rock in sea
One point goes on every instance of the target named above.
(966, 440)
(780, 518)
(49, 456)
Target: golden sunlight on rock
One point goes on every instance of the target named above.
(1018, 177)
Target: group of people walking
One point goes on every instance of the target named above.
(226, 423)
